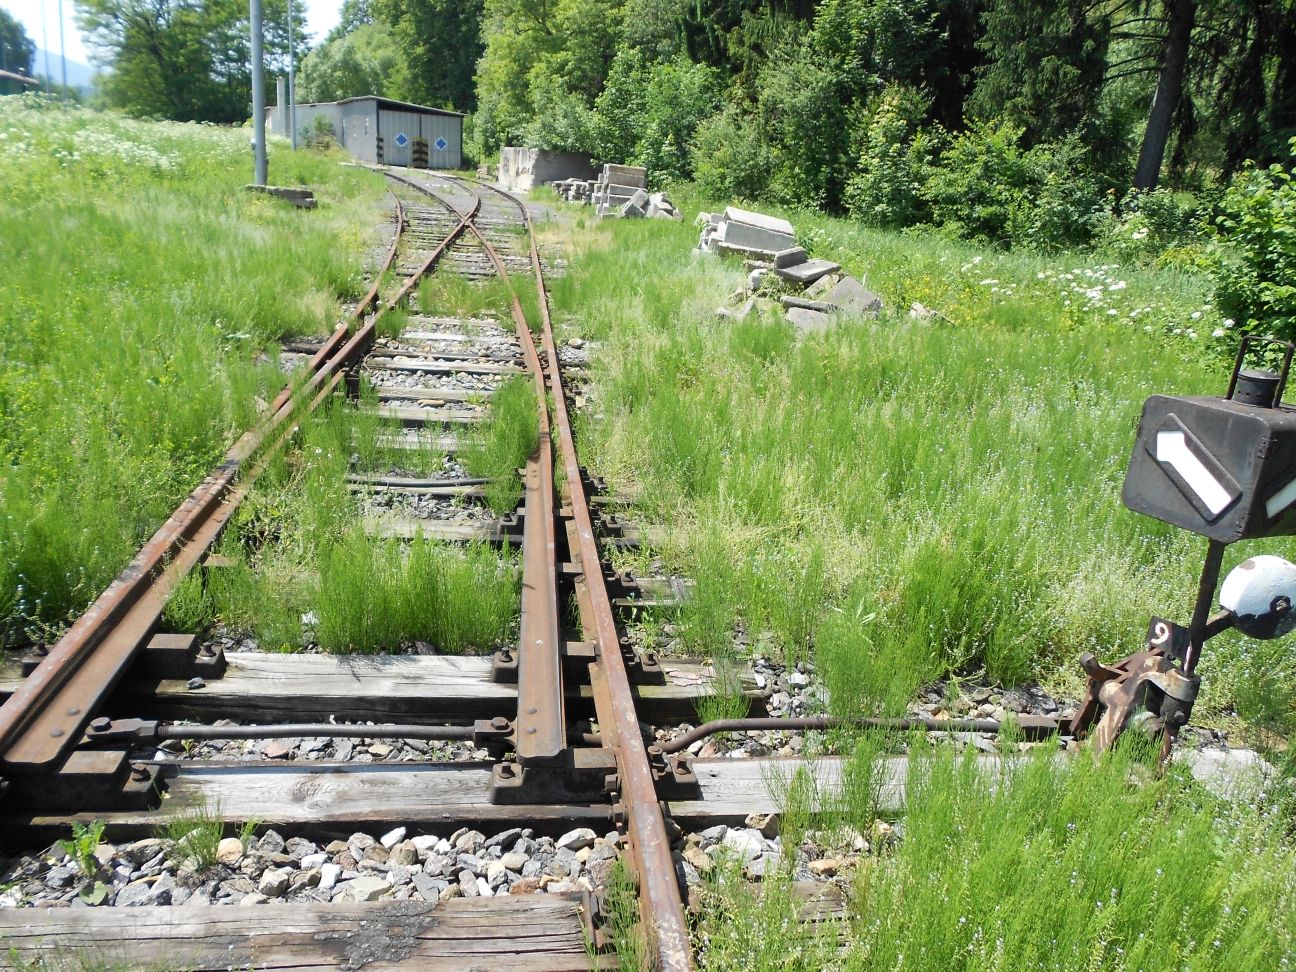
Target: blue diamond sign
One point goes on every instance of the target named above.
(402, 139)
(440, 144)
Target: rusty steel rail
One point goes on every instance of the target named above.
(541, 717)
(44, 718)
(661, 906)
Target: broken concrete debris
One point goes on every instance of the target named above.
(620, 190)
(775, 262)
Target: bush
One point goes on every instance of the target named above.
(1148, 223)
(982, 178)
(893, 155)
(562, 121)
(1064, 202)
(988, 190)
(648, 114)
(803, 113)
(731, 159)
(1255, 270)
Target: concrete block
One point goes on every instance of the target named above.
(755, 233)
(824, 284)
(626, 175)
(677, 216)
(640, 199)
(771, 223)
(790, 257)
(631, 210)
(808, 321)
(808, 272)
(854, 298)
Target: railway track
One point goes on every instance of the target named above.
(88, 728)
(535, 769)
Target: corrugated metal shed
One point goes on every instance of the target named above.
(384, 130)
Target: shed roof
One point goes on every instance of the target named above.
(395, 105)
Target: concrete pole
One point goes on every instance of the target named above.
(49, 78)
(62, 49)
(292, 79)
(258, 95)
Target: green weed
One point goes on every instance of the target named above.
(193, 838)
(137, 307)
(81, 847)
(379, 594)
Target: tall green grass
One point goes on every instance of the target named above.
(899, 498)
(375, 595)
(501, 447)
(142, 287)
(1055, 866)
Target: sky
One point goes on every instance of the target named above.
(40, 16)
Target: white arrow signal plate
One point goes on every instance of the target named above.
(1191, 467)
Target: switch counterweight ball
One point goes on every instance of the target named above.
(1260, 593)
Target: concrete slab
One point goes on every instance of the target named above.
(808, 272)
(632, 210)
(771, 223)
(640, 199)
(808, 321)
(790, 257)
(739, 313)
(854, 298)
(824, 284)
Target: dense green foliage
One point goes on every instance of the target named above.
(1257, 266)
(362, 62)
(186, 60)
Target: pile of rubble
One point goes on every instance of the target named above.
(620, 190)
(776, 263)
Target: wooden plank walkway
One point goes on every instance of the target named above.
(539, 932)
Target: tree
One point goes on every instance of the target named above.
(1169, 89)
(1044, 69)
(362, 62)
(17, 50)
(187, 60)
(441, 42)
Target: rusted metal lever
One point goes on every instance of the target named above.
(1153, 679)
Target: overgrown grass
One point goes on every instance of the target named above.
(500, 449)
(304, 571)
(1057, 865)
(379, 594)
(142, 284)
(899, 498)
(452, 295)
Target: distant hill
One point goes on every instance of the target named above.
(78, 75)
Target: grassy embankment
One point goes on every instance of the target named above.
(904, 500)
(144, 294)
